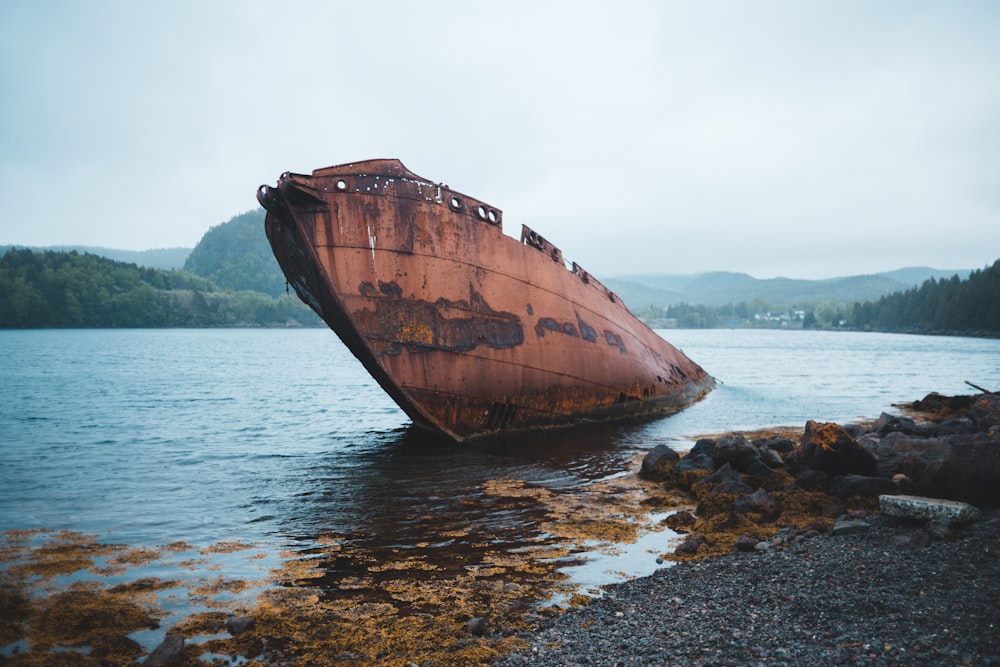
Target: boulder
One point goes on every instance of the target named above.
(239, 624)
(962, 466)
(947, 512)
(696, 462)
(985, 410)
(870, 440)
(827, 447)
(759, 502)
(848, 486)
(770, 457)
(169, 652)
(958, 426)
(780, 445)
(814, 526)
(973, 470)
(735, 450)
(812, 480)
(758, 468)
(855, 430)
(882, 424)
(691, 545)
(746, 543)
(658, 464)
(702, 447)
(937, 403)
(476, 626)
(680, 521)
(725, 480)
(922, 460)
(887, 423)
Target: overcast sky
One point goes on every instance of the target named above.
(800, 139)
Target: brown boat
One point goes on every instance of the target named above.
(470, 331)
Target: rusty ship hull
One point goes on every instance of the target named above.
(472, 332)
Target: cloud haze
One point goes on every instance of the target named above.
(804, 139)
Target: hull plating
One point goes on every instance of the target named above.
(472, 332)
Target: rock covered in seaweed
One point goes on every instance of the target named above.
(750, 488)
(658, 465)
(831, 449)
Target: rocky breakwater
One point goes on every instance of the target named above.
(760, 493)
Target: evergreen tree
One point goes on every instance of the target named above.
(236, 256)
(67, 289)
(952, 305)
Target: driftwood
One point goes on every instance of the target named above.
(976, 386)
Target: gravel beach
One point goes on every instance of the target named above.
(893, 595)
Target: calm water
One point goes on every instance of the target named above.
(147, 437)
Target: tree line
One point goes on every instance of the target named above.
(970, 307)
(69, 289)
(237, 256)
(232, 279)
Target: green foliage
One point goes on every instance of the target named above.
(236, 256)
(67, 289)
(157, 258)
(681, 315)
(949, 305)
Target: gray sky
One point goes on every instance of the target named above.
(804, 139)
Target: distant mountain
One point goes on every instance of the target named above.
(167, 259)
(718, 288)
(636, 294)
(915, 276)
(235, 255)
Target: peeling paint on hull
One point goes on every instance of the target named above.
(470, 331)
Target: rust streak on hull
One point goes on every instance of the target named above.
(470, 331)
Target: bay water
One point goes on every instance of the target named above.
(278, 437)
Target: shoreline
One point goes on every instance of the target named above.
(782, 599)
(863, 599)
(757, 587)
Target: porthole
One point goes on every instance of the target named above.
(481, 212)
(492, 216)
(455, 203)
(341, 185)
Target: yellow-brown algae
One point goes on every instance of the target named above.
(340, 602)
(61, 553)
(93, 619)
(86, 618)
(716, 521)
(226, 548)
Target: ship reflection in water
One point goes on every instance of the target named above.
(368, 545)
(406, 543)
(423, 500)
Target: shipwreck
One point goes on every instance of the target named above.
(472, 332)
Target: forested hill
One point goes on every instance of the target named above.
(157, 258)
(970, 306)
(232, 279)
(236, 256)
(67, 289)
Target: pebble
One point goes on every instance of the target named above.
(860, 599)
